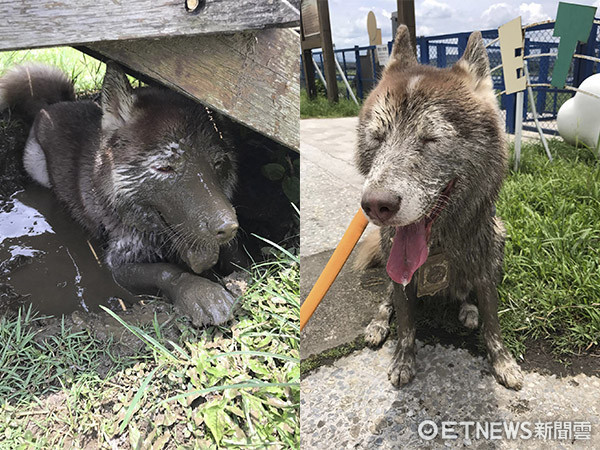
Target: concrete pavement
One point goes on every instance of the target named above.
(329, 197)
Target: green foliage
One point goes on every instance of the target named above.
(551, 284)
(320, 107)
(27, 362)
(215, 387)
(86, 71)
(286, 169)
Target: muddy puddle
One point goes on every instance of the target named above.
(48, 261)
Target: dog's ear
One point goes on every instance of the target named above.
(475, 59)
(117, 98)
(403, 53)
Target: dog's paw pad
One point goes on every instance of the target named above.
(469, 316)
(376, 333)
(509, 374)
(402, 371)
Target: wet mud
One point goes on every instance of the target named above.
(48, 259)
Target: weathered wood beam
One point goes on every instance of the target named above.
(252, 77)
(50, 23)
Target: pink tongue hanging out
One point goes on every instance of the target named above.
(409, 251)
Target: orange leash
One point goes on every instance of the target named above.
(333, 267)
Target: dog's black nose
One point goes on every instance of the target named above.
(380, 205)
(226, 230)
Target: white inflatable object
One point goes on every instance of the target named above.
(578, 119)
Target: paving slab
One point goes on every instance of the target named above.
(330, 197)
(330, 190)
(347, 308)
(352, 405)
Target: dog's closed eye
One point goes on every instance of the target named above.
(429, 139)
(379, 138)
(164, 169)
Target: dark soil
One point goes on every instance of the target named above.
(539, 358)
(13, 135)
(440, 325)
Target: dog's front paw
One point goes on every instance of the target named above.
(402, 369)
(376, 333)
(204, 302)
(508, 373)
(469, 315)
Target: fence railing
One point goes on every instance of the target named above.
(361, 70)
(359, 66)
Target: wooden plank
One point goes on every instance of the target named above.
(252, 77)
(48, 23)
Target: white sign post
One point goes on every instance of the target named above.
(382, 54)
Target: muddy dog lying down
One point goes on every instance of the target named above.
(147, 170)
(431, 147)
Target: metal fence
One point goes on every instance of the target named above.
(360, 68)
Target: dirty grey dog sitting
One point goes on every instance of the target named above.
(431, 147)
(147, 170)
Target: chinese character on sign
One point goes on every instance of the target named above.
(582, 430)
(562, 430)
(543, 430)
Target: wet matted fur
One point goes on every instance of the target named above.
(432, 149)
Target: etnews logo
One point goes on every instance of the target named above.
(472, 430)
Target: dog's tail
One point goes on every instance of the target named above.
(369, 252)
(28, 88)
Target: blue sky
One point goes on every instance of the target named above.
(349, 17)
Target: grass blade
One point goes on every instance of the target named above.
(136, 399)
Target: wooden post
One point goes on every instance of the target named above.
(309, 74)
(314, 36)
(406, 15)
(328, 55)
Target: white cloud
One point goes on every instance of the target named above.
(532, 12)
(497, 14)
(433, 9)
(348, 17)
(424, 30)
(500, 13)
(349, 30)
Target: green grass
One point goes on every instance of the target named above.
(86, 71)
(314, 361)
(214, 387)
(24, 362)
(551, 284)
(320, 107)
